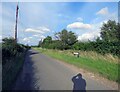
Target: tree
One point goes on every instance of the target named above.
(40, 42)
(8, 40)
(46, 42)
(72, 38)
(118, 31)
(10, 49)
(48, 39)
(67, 38)
(109, 31)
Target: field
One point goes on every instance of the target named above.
(106, 66)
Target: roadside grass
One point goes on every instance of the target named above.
(91, 61)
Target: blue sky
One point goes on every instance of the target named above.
(37, 20)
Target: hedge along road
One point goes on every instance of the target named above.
(41, 72)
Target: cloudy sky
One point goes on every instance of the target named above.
(37, 20)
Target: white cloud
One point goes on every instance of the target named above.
(44, 29)
(89, 36)
(79, 25)
(39, 35)
(33, 36)
(101, 23)
(33, 30)
(106, 15)
(0, 37)
(86, 32)
(30, 37)
(40, 30)
(42, 36)
(79, 19)
(26, 40)
(103, 11)
(113, 16)
(32, 40)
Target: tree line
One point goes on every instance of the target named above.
(108, 42)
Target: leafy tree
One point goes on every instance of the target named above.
(67, 38)
(108, 42)
(48, 39)
(118, 31)
(72, 38)
(46, 42)
(109, 31)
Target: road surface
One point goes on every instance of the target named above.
(41, 72)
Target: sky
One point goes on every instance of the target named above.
(36, 20)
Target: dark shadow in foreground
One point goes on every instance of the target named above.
(25, 80)
(79, 83)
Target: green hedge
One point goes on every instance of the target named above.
(13, 55)
(11, 69)
(100, 47)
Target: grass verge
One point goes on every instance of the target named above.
(101, 66)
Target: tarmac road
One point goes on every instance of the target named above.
(41, 72)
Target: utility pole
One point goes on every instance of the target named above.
(16, 23)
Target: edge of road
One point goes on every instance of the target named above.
(111, 84)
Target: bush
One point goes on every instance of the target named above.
(101, 47)
(12, 60)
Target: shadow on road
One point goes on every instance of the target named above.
(26, 80)
(32, 53)
(79, 83)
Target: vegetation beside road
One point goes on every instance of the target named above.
(13, 55)
(91, 61)
(107, 42)
(100, 55)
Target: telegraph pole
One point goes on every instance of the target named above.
(16, 23)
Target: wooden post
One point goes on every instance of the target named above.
(16, 23)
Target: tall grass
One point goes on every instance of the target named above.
(106, 66)
(95, 56)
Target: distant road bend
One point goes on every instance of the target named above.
(41, 72)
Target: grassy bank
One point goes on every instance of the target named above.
(11, 69)
(107, 65)
(13, 55)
